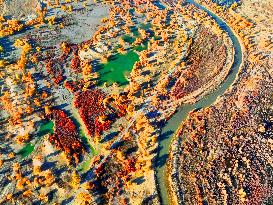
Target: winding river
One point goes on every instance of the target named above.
(168, 131)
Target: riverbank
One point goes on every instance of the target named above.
(175, 189)
(187, 187)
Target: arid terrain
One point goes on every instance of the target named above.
(136, 102)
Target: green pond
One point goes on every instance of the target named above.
(86, 141)
(85, 165)
(118, 67)
(128, 38)
(45, 128)
(145, 25)
(27, 150)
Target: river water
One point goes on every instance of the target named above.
(168, 131)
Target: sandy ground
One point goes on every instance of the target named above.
(261, 13)
(85, 24)
(18, 8)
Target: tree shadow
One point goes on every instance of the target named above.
(130, 150)
(116, 145)
(26, 162)
(161, 161)
(8, 47)
(62, 106)
(48, 165)
(113, 57)
(87, 176)
(4, 171)
(109, 137)
(138, 180)
(148, 200)
(58, 172)
(54, 153)
(123, 84)
(153, 114)
(51, 194)
(165, 135)
(67, 201)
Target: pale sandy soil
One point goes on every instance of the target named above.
(19, 8)
(85, 25)
(48, 148)
(260, 12)
(139, 191)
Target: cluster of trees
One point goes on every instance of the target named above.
(90, 107)
(25, 48)
(242, 26)
(75, 64)
(146, 140)
(9, 27)
(221, 157)
(29, 101)
(55, 71)
(20, 139)
(95, 109)
(25, 186)
(70, 52)
(72, 86)
(113, 175)
(65, 135)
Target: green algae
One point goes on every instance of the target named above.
(120, 65)
(46, 128)
(117, 68)
(86, 141)
(27, 150)
(85, 165)
(128, 38)
(145, 25)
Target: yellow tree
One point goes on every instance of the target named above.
(75, 180)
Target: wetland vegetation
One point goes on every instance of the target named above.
(135, 102)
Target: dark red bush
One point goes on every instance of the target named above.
(65, 134)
